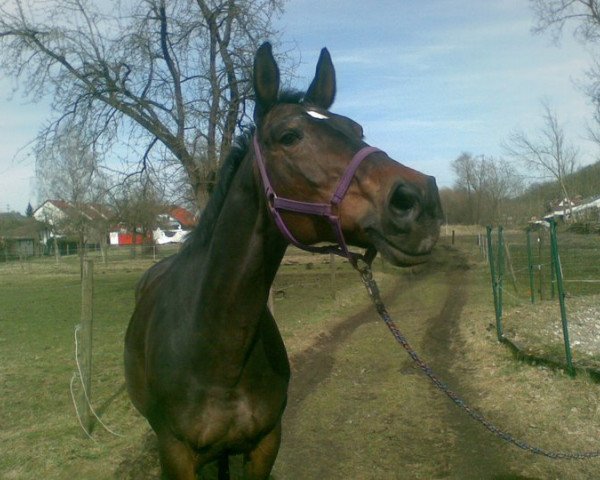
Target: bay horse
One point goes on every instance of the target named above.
(204, 360)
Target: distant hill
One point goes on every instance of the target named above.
(539, 197)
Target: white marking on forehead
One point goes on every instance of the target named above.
(318, 115)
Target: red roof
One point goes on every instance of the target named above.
(183, 216)
(93, 211)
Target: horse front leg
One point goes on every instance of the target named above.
(177, 460)
(223, 466)
(259, 462)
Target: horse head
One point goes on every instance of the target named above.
(307, 149)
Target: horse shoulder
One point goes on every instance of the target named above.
(137, 331)
(152, 276)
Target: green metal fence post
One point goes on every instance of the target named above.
(540, 264)
(561, 295)
(493, 275)
(530, 267)
(552, 273)
(499, 328)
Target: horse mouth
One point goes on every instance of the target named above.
(395, 254)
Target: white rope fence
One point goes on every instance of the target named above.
(78, 375)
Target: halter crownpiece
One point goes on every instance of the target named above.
(327, 210)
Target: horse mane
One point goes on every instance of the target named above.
(204, 230)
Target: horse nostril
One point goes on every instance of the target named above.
(403, 199)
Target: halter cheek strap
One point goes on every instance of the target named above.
(328, 210)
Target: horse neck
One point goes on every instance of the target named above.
(246, 249)
(236, 270)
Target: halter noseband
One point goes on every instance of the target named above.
(328, 210)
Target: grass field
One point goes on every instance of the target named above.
(358, 408)
(39, 309)
(39, 433)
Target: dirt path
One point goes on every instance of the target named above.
(475, 454)
(469, 451)
(315, 364)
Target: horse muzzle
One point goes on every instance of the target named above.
(409, 225)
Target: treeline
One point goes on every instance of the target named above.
(585, 182)
(491, 191)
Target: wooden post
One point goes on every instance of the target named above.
(485, 249)
(85, 344)
(56, 251)
(480, 245)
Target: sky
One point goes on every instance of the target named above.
(426, 80)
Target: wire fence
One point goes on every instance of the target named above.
(558, 275)
(531, 267)
(69, 254)
(141, 257)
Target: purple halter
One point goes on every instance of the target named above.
(329, 211)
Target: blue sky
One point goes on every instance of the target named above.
(427, 80)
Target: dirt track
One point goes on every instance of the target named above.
(463, 449)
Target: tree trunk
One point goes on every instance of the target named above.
(133, 240)
(104, 247)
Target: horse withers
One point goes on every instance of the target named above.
(204, 359)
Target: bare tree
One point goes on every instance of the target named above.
(584, 18)
(501, 184)
(482, 187)
(69, 172)
(553, 15)
(156, 75)
(549, 153)
(470, 178)
(137, 203)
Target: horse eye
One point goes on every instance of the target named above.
(289, 138)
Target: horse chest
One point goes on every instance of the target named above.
(232, 419)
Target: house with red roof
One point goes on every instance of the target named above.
(172, 226)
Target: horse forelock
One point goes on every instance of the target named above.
(291, 96)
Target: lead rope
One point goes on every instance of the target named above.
(367, 277)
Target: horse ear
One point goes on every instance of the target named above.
(322, 89)
(266, 80)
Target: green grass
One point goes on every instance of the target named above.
(373, 416)
(39, 432)
(40, 304)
